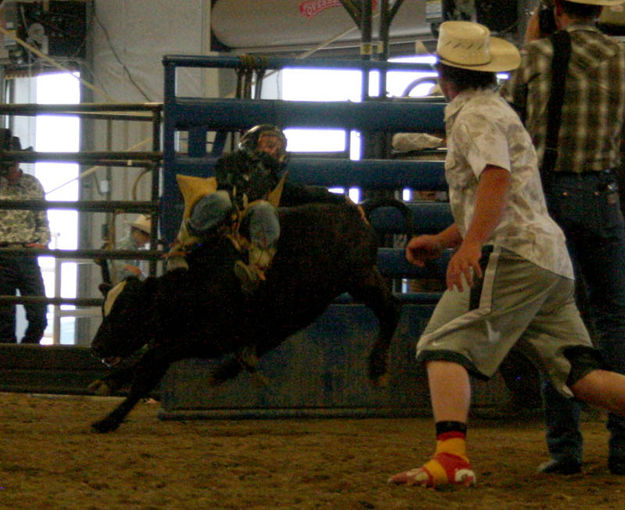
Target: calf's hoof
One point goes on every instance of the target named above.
(381, 381)
(105, 425)
(99, 387)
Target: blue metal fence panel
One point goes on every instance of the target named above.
(379, 115)
(319, 372)
(197, 116)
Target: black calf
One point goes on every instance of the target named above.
(324, 251)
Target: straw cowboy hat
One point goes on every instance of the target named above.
(8, 142)
(142, 223)
(469, 45)
(598, 2)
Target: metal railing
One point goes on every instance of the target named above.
(151, 161)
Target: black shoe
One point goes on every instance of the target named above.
(30, 341)
(616, 465)
(566, 466)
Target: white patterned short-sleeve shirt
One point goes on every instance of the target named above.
(482, 129)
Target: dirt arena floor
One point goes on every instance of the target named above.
(49, 459)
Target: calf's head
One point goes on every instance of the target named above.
(125, 324)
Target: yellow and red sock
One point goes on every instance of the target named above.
(449, 465)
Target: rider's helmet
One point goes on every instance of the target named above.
(275, 148)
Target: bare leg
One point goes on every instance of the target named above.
(450, 391)
(602, 389)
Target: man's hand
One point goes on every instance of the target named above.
(465, 262)
(491, 200)
(420, 249)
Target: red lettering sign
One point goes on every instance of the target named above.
(310, 8)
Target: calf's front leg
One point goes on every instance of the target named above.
(149, 370)
(109, 384)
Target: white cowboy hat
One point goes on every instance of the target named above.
(468, 45)
(598, 2)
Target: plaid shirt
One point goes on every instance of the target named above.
(594, 99)
(23, 226)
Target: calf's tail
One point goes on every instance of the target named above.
(371, 205)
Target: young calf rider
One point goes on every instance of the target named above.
(245, 179)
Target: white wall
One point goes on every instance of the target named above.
(140, 33)
(270, 25)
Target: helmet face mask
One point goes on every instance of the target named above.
(265, 138)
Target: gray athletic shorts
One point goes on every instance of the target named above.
(516, 302)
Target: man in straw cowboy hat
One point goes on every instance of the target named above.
(580, 184)
(510, 280)
(137, 239)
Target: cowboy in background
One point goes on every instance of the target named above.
(21, 229)
(137, 239)
(579, 157)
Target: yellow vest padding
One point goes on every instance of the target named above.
(274, 195)
(194, 188)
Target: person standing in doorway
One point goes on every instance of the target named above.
(21, 229)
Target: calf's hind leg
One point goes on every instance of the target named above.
(373, 291)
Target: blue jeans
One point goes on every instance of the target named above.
(21, 273)
(264, 224)
(587, 208)
(214, 209)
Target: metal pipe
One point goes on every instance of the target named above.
(282, 62)
(99, 116)
(150, 160)
(383, 38)
(366, 50)
(85, 205)
(155, 189)
(52, 300)
(28, 109)
(120, 158)
(232, 114)
(85, 253)
(108, 190)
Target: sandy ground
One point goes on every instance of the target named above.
(49, 459)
